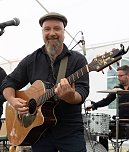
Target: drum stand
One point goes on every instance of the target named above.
(117, 122)
(118, 92)
(117, 146)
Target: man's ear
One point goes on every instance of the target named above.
(128, 75)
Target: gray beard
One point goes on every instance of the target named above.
(53, 50)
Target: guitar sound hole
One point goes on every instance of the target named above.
(32, 106)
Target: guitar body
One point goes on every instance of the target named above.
(26, 130)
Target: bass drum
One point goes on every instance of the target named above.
(123, 129)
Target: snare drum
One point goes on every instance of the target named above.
(99, 124)
(123, 129)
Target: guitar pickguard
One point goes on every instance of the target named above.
(27, 120)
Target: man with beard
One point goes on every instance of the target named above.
(67, 135)
(123, 77)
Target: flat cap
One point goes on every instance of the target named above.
(53, 15)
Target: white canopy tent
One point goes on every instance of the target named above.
(103, 23)
(100, 21)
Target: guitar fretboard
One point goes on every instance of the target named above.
(71, 79)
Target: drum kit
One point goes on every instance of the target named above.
(101, 125)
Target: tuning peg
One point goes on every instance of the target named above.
(102, 71)
(98, 56)
(110, 68)
(113, 49)
(117, 63)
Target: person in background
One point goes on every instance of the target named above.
(123, 77)
(43, 64)
(2, 99)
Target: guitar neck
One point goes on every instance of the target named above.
(78, 74)
(71, 79)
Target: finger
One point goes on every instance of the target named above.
(22, 103)
(58, 89)
(64, 81)
(59, 86)
(65, 84)
(73, 85)
(22, 109)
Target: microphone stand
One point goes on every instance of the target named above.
(2, 31)
(76, 44)
(117, 122)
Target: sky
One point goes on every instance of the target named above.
(100, 21)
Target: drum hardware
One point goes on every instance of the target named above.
(13, 149)
(119, 143)
(118, 92)
(124, 120)
(20, 149)
(95, 146)
(124, 104)
(115, 90)
(3, 135)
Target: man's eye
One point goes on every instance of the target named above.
(57, 29)
(46, 30)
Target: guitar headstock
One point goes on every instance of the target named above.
(107, 59)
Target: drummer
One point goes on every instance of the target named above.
(123, 77)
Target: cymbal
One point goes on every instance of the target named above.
(115, 90)
(124, 104)
(124, 119)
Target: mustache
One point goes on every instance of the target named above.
(52, 37)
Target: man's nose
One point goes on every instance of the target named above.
(52, 32)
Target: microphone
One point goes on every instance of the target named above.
(14, 22)
(83, 44)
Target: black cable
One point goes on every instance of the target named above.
(74, 39)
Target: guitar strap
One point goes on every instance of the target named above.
(62, 69)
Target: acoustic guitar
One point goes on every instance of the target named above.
(27, 129)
